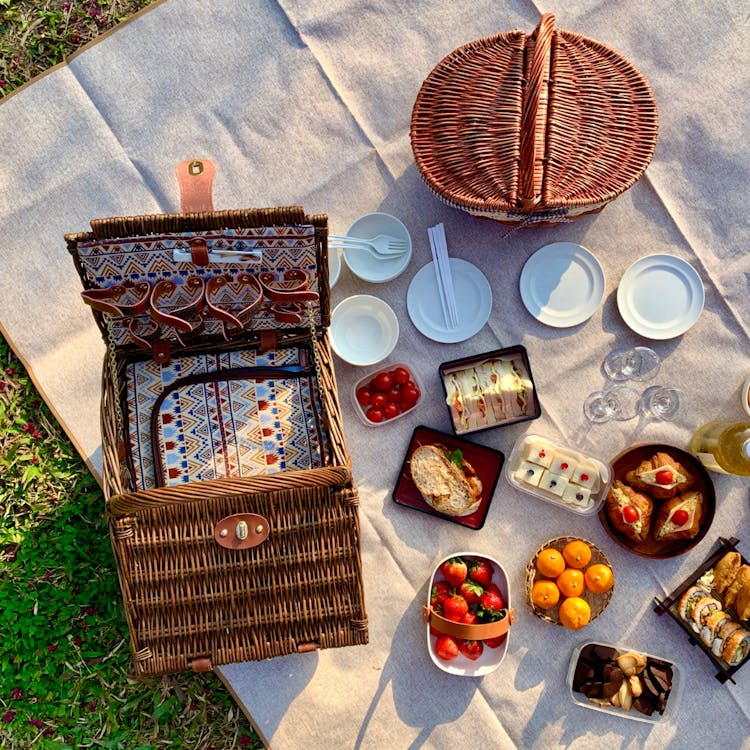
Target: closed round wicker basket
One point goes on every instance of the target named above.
(533, 129)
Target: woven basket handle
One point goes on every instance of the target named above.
(534, 116)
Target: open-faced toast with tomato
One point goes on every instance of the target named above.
(629, 511)
(661, 476)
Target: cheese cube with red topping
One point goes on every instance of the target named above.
(586, 476)
(563, 466)
(539, 453)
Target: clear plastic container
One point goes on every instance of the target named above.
(558, 474)
(367, 380)
(656, 717)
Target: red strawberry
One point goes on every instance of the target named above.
(471, 649)
(470, 618)
(454, 571)
(495, 642)
(438, 594)
(480, 571)
(455, 607)
(491, 604)
(446, 647)
(470, 591)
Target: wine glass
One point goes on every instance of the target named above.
(636, 363)
(618, 403)
(660, 402)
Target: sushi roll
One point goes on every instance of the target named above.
(736, 647)
(701, 610)
(688, 601)
(722, 636)
(712, 625)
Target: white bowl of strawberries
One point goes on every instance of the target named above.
(468, 614)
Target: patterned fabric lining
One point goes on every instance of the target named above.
(222, 427)
(108, 263)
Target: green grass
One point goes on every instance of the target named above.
(64, 654)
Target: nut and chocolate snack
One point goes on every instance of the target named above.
(623, 680)
(661, 476)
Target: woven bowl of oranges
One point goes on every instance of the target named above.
(569, 582)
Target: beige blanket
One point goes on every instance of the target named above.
(309, 103)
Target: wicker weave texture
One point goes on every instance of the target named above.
(512, 126)
(189, 600)
(191, 603)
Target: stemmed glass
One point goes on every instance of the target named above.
(636, 363)
(660, 402)
(619, 403)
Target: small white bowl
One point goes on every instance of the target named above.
(334, 266)
(364, 330)
(362, 264)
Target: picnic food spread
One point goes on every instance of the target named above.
(655, 500)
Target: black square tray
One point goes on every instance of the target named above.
(671, 605)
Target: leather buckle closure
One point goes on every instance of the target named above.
(241, 531)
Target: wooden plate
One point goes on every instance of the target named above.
(629, 460)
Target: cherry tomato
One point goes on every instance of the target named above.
(374, 415)
(378, 400)
(680, 517)
(410, 394)
(630, 514)
(364, 396)
(382, 382)
(394, 394)
(665, 476)
(391, 410)
(400, 375)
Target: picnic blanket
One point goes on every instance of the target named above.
(310, 103)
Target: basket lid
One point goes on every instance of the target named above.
(533, 123)
(159, 283)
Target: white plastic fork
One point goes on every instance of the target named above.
(383, 246)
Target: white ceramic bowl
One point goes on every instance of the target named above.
(364, 330)
(334, 266)
(362, 264)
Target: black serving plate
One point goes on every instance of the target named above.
(516, 353)
(672, 602)
(487, 463)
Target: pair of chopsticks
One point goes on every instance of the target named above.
(440, 260)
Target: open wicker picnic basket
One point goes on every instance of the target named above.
(229, 494)
(533, 129)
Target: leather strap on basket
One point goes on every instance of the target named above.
(179, 318)
(110, 300)
(196, 178)
(476, 632)
(534, 117)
